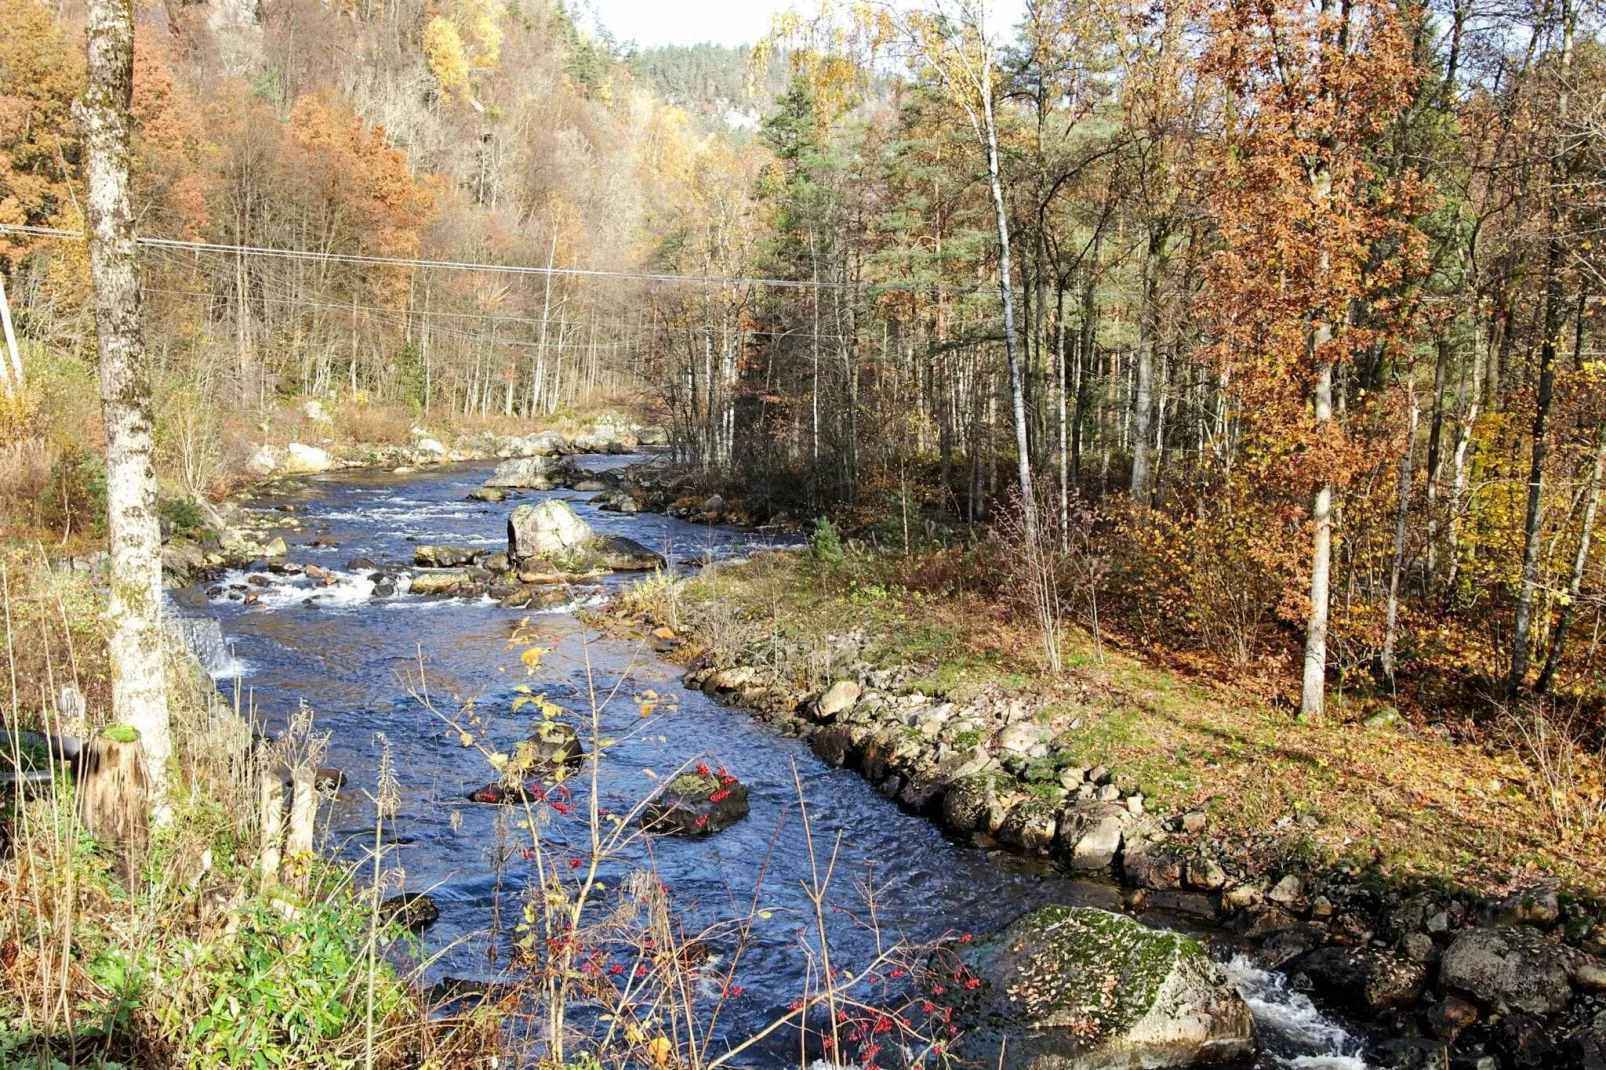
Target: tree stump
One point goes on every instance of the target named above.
(114, 796)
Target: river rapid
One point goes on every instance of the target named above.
(355, 659)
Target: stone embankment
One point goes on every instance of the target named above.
(1450, 979)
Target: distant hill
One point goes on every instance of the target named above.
(714, 81)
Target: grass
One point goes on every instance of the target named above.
(1405, 801)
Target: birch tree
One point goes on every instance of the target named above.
(139, 684)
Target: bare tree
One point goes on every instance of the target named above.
(139, 683)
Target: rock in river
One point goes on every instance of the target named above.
(443, 556)
(414, 911)
(529, 473)
(550, 528)
(1075, 988)
(697, 803)
(552, 743)
(439, 582)
(626, 555)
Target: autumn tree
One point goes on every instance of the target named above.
(1309, 233)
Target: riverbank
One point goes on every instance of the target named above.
(1360, 856)
(217, 938)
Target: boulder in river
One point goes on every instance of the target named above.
(626, 555)
(487, 494)
(414, 911)
(971, 805)
(531, 473)
(1362, 978)
(697, 803)
(431, 556)
(439, 582)
(1075, 988)
(549, 528)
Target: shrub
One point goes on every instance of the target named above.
(75, 496)
(825, 545)
(183, 516)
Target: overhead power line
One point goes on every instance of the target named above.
(506, 269)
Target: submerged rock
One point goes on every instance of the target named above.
(1075, 988)
(549, 528)
(697, 803)
(487, 494)
(552, 743)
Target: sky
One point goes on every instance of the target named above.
(725, 22)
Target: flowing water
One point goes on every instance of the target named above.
(355, 659)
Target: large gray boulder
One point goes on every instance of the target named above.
(534, 473)
(1075, 988)
(548, 529)
(1090, 835)
(1516, 967)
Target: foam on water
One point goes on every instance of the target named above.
(1298, 1035)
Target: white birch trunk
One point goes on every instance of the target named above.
(139, 683)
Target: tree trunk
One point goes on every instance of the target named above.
(11, 369)
(1547, 379)
(1558, 639)
(139, 680)
(1143, 402)
(1402, 513)
(1017, 395)
(1313, 691)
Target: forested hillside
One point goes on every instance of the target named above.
(1286, 316)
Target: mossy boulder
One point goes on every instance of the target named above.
(697, 803)
(1075, 988)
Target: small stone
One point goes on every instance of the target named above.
(1591, 976)
(1448, 1017)
(1205, 874)
(1072, 777)
(1098, 775)
(1134, 805)
(1321, 908)
(1287, 890)
(1193, 822)
(1439, 923)
(838, 699)
(1108, 793)
(1243, 897)
(1418, 947)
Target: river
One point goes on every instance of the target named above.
(355, 659)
